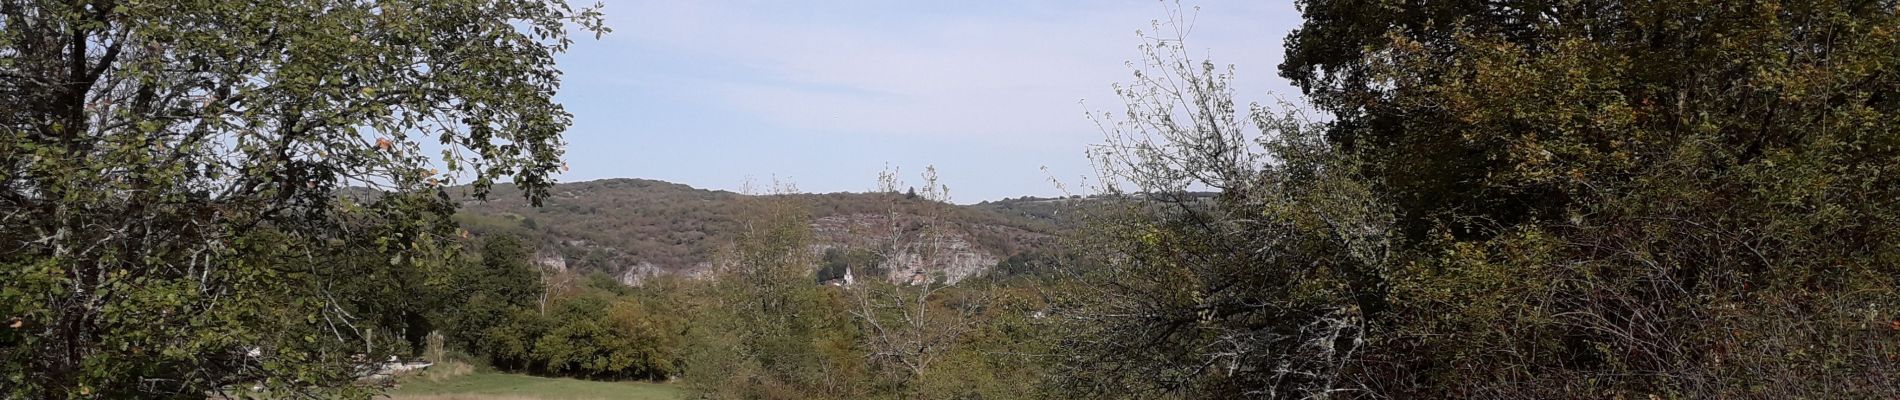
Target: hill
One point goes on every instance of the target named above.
(634, 229)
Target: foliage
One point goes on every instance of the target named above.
(1581, 199)
(1505, 199)
(763, 329)
(593, 336)
(497, 300)
(1640, 195)
(512, 315)
(1260, 290)
(169, 176)
(768, 330)
(758, 325)
(613, 225)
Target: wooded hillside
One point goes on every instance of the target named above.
(637, 227)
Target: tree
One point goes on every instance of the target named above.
(597, 335)
(495, 310)
(506, 273)
(1673, 199)
(1434, 176)
(169, 171)
(767, 331)
(397, 306)
(1260, 290)
(909, 327)
(579, 340)
(1642, 196)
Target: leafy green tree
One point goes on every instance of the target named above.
(495, 312)
(1435, 177)
(1639, 196)
(651, 334)
(399, 304)
(765, 330)
(578, 339)
(604, 336)
(1518, 199)
(506, 273)
(170, 175)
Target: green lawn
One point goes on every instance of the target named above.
(499, 386)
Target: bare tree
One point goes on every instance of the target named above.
(908, 324)
(1239, 263)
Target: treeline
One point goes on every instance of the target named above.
(607, 225)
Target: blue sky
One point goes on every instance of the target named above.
(826, 94)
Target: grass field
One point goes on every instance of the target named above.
(500, 386)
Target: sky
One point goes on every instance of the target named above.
(827, 94)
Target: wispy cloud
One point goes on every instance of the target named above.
(828, 92)
(998, 73)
